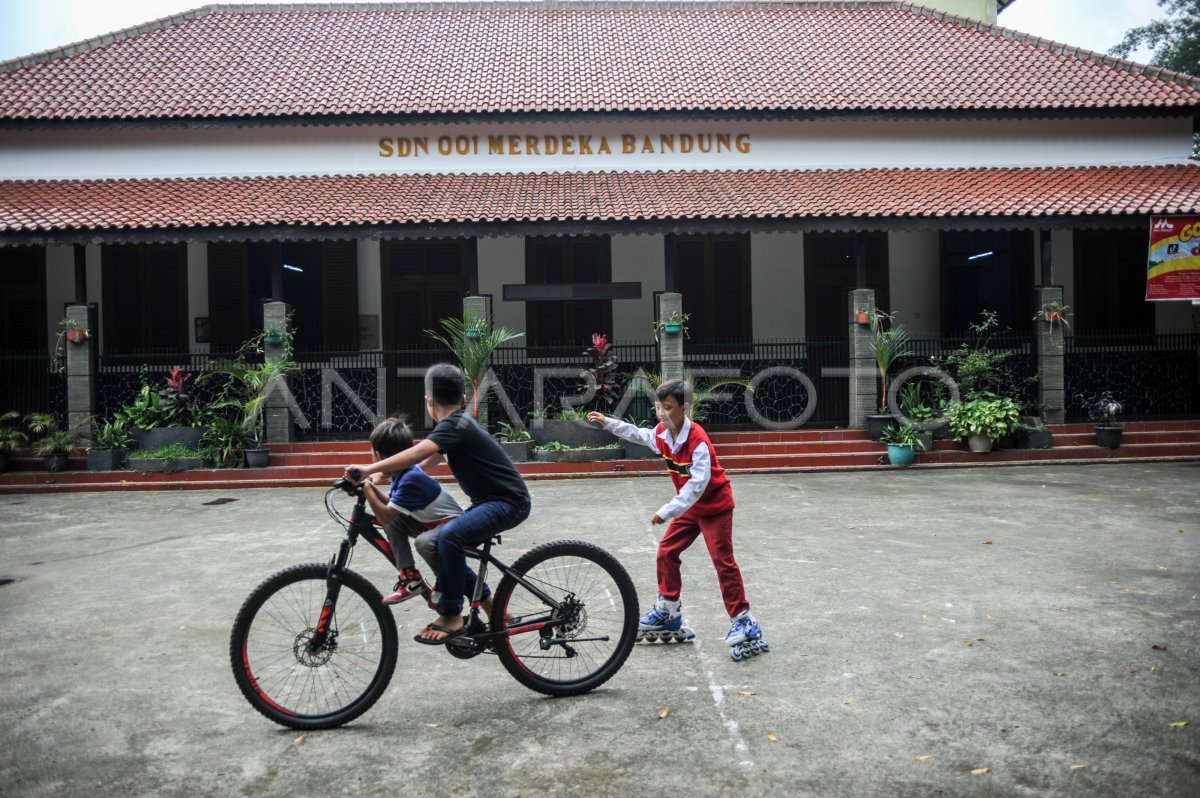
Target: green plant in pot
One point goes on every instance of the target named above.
(1102, 410)
(982, 420)
(674, 323)
(889, 340)
(472, 340)
(515, 440)
(247, 386)
(902, 442)
(227, 439)
(51, 442)
(11, 437)
(110, 443)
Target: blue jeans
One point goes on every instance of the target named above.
(473, 527)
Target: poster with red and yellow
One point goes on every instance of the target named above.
(1173, 267)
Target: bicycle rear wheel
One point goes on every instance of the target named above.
(302, 688)
(592, 631)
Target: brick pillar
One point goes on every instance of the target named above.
(277, 417)
(670, 346)
(82, 367)
(1048, 345)
(862, 363)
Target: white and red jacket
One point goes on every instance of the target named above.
(701, 487)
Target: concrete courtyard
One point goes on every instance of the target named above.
(1000, 631)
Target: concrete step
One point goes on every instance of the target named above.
(317, 464)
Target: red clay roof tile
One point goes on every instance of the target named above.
(406, 200)
(507, 57)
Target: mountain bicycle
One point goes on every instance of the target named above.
(314, 646)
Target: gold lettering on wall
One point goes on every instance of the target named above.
(553, 145)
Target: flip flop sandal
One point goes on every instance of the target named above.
(437, 627)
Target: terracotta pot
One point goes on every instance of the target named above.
(77, 336)
(862, 318)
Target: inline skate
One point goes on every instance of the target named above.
(745, 637)
(664, 622)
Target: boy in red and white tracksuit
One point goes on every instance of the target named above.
(702, 506)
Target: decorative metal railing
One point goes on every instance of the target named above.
(1152, 375)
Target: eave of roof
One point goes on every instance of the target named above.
(333, 205)
(73, 97)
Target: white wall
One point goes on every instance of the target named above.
(777, 285)
(807, 144)
(502, 260)
(1175, 316)
(915, 284)
(197, 277)
(637, 259)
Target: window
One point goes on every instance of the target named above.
(559, 260)
(144, 306)
(712, 272)
(424, 281)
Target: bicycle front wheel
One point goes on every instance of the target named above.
(296, 684)
(578, 645)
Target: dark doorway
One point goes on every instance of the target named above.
(23, 340)
(423, 283)
(712, 272)
(145, 298)
(1110, 282)
(987, 271)
(830, 274)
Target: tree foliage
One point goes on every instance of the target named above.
(1175, 39)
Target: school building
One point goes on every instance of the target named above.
(371, 165)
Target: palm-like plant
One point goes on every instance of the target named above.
(472, 340)
(889, 341)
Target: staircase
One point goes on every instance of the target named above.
(319, 464)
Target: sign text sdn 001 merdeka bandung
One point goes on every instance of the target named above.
(544, 145)
(1173, 265)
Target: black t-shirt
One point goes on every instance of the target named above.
(482, 468)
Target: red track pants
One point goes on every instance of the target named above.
(718, 536)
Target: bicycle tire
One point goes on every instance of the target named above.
(605, 604)
(301, 689)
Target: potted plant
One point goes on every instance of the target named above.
(110, 444)
(161, 417)
(55, 444)
(558, 452)
(862, 316)
(515, 440)
(247, 386)
(918, 414)
(1053, 313)
(598, 390)
(889, 341)
(11, 438)
(1033, 434)
(472, 340)
(902, 442)
(227, 440)
(982, 419)
(175, 457)
(74, 331)
(674, 323)
(1103, 410)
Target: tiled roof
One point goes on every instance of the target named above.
(238, 62)
(421, 200)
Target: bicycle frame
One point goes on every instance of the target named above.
(361, 525)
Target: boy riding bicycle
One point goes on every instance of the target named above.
(499, 498)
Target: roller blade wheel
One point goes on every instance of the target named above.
(749, 648)
(681, 635)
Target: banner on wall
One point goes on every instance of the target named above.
(1173, 265)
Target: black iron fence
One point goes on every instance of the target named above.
(774, 384)
(342, 394)
(1152, 375)
(33, 383)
